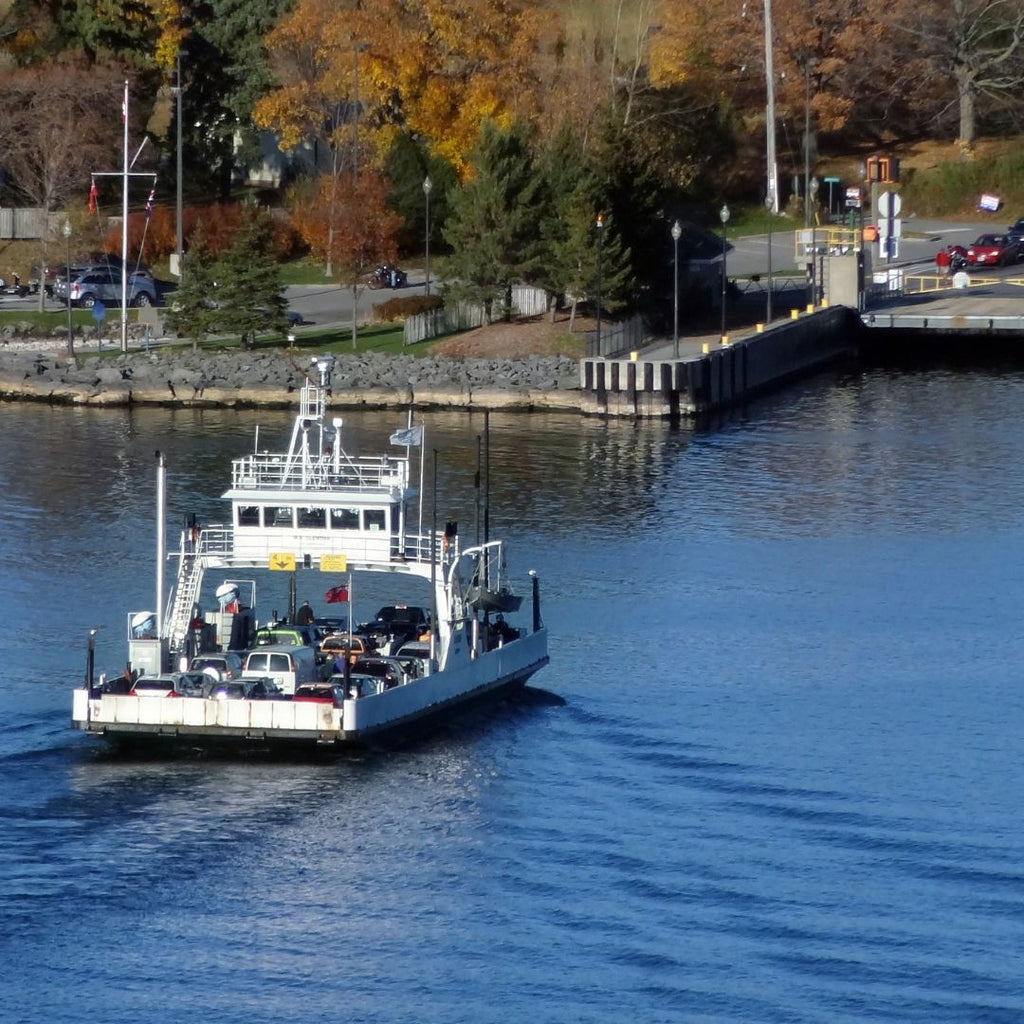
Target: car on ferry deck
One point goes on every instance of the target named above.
(225, 666)
(290, 666)
(330, 692)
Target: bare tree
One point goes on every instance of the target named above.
(976, 44)
(60, 123)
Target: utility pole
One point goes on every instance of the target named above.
(178, 209)
(772, 192)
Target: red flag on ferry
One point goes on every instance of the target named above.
(336, 595)
(94, 194)
(149, 203)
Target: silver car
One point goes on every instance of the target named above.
(100, 284)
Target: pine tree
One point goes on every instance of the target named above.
(492, 228)
(250, 291)
(193, 312)
(569, 232)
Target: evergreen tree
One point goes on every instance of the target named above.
(492, 227)
(193, 312)
(406, 166)
(250, 291)
(569, 233)
(632, 196)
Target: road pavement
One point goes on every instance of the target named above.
(328, 304)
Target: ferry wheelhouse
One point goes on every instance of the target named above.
(314, 507)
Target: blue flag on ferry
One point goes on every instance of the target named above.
(408, 435)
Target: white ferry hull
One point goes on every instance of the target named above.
(254, 723)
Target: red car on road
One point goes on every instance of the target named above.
(993, 251)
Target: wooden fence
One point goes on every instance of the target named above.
(25, 222)
(464, 316)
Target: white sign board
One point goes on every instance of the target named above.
(889, 204)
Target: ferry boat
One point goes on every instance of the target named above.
(314, 508)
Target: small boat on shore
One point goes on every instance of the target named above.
(314, 509)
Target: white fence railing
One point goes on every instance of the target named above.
(25, 222)
(464, 316)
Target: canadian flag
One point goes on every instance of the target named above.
(149, 203)
(94, 194)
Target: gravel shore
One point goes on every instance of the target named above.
(232, 377)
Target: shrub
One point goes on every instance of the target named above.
(409, 305)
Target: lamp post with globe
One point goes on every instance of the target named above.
(723, 215)
(67, 270)
(677, 232)
(427, 186)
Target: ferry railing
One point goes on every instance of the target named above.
(273, 472)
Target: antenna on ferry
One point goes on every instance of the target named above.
(160, 542)
(433, 571)
(476, 485)
(487, 475)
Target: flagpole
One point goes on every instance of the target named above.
(419, 529)
(124, 229)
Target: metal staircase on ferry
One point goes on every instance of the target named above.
(186, 593)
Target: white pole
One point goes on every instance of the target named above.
(419, 528)
(160, 542)
(772, 195)
(124, 229)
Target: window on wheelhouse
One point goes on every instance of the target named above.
(312, 518)
(344, 519)
(278, 515)
(248, 515)
(375, 519)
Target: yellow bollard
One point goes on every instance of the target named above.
(725, 340)
(634, 356)
(810, 307)
(760, 328)
(794, 314)
(705, 348)
(824, 303)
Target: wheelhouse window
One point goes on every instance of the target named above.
(312, 518)
(375, 518)
(344, 519)
(279, 515)
(248, 515)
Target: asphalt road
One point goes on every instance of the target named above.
(747, 256)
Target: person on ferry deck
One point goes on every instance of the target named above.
(304, 616)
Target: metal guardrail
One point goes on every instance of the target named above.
(956, 322)
(276, 472)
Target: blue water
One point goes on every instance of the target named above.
(783, 784)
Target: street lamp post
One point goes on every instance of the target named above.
(600, 232)
(179, 239)
(808, 64)
(723, 215)
(427, 186)
(676, 233)
(67, 271)
(768, 310)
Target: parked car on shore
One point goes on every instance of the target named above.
(993, 251)
(1016, 231)
(99, 284)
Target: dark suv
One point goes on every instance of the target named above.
(1016, 231)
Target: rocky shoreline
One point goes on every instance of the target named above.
(271, 378)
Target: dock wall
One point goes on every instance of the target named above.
(722, 375)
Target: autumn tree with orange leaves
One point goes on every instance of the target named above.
(360, 234)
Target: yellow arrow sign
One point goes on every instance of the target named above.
(333, 563)
(282, 562)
